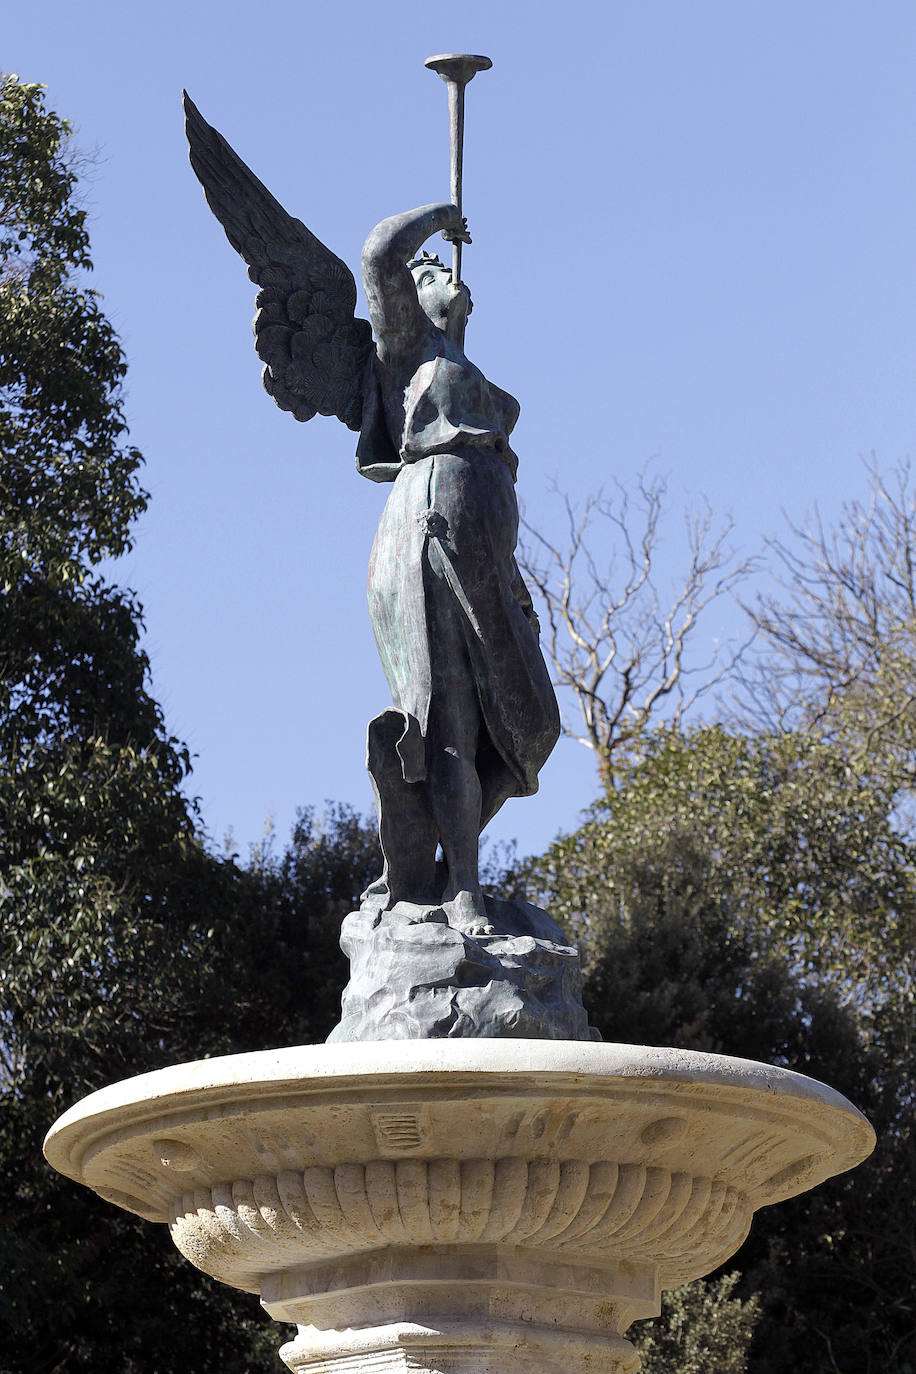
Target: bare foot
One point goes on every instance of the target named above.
(479, 927)
(466, 913)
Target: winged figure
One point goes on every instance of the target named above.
(473, 715)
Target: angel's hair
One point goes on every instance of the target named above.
(433, 260)
(425, 260)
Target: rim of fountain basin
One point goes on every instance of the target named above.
(267, 1074)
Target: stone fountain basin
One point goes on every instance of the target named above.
(328, 1149)
(587, 1173)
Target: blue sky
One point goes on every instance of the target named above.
(694, 229)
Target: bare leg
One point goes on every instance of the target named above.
(455, 796)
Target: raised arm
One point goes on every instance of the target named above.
(397, 317)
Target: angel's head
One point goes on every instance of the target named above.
(434, 288)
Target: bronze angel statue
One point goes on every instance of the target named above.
(473, 715)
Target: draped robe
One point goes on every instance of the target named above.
(444, 556)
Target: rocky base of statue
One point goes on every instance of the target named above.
(415, 977)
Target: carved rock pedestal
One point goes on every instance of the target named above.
(413, 976)
(459, 1206)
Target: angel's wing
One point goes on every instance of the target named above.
(313, 347)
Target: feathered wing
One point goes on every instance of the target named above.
(313, 346)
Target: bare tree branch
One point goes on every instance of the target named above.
(623, 653)
(841, 638)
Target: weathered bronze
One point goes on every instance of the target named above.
(473, 715)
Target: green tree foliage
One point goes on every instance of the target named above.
(105, 890)
(753, 896)
(90, 782)
(124, 944)
(288, 944)
(69, 487)
(781, 836)
(704, 1329)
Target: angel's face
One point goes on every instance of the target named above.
(434, 291)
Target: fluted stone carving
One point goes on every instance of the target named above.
(662, 1217)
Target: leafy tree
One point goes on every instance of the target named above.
(267, 971)
(116, 925)
(124, 944)
(288, 946)
(795, 847)
(69, 488)
(753, 897)
(704, 1329)
(104, 886)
